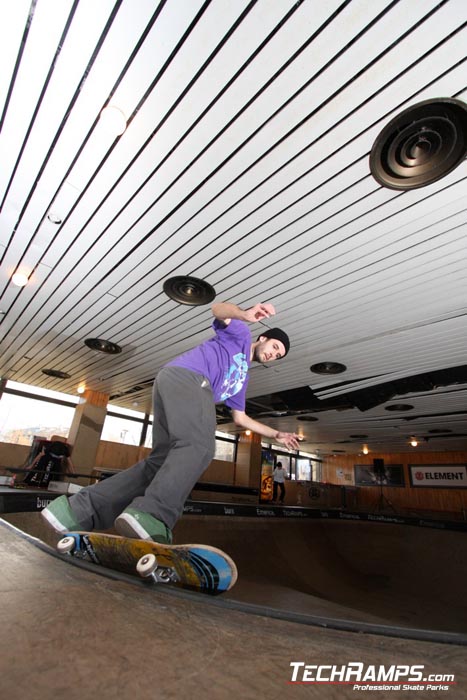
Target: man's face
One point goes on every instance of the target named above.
(268, 350)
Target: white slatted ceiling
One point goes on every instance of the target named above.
(245, 163)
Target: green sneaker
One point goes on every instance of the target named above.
(143, 526)
(59, 515)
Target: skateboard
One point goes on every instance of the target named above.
(197, 567)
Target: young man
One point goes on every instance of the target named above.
(279, 475)
(146, 500)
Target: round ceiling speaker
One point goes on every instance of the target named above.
(328, 368)
(421, 145)
(103, 346)
(189, 290)
(56, 373)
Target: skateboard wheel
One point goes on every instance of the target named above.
(66, 545)
(147, 565)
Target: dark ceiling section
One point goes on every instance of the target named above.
(303, 400)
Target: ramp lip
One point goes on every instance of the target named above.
(339, 624)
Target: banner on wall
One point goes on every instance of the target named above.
(267, 468)
(389, 475)
(438, 476)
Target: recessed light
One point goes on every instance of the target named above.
(399, 407)
(19, 279)
(328, 368)
(438, 431)
(101, 345)
(359, 437)
(310, 419)
(114, 120)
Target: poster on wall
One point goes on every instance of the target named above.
(267, 468)
(389, 475)
(438, 476)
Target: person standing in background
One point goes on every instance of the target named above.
(279, 476)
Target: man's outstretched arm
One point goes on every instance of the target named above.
(225, 311)
(289, 440)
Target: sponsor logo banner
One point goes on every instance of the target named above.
(436, 476)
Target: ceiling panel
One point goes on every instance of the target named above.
(245, 162)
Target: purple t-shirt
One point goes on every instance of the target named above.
(223, 360)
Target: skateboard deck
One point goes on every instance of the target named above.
(197, 567)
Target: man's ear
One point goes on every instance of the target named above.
(262, 338)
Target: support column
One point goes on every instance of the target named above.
(248, 465)
(86, 429)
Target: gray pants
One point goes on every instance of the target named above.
(183, 446)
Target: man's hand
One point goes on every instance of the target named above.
(289, 440)
(259, 311)
(225, 311)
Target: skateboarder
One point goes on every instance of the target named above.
(146, 500)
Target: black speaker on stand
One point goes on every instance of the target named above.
(380, 474)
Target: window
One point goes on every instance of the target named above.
(303, 470)
(122, 430)
(225, 447)
(22, 417)
(123, 425)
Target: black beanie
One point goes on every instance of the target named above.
(277, 334)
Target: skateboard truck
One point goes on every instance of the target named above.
(66, 545)
(147, 566)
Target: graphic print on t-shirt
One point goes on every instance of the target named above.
(235, 376)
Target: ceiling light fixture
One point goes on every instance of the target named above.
(413, 442)
(81, 389)
(114, 120)
(20, 279)
(365, 449)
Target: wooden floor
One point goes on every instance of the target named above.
(70, 633)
